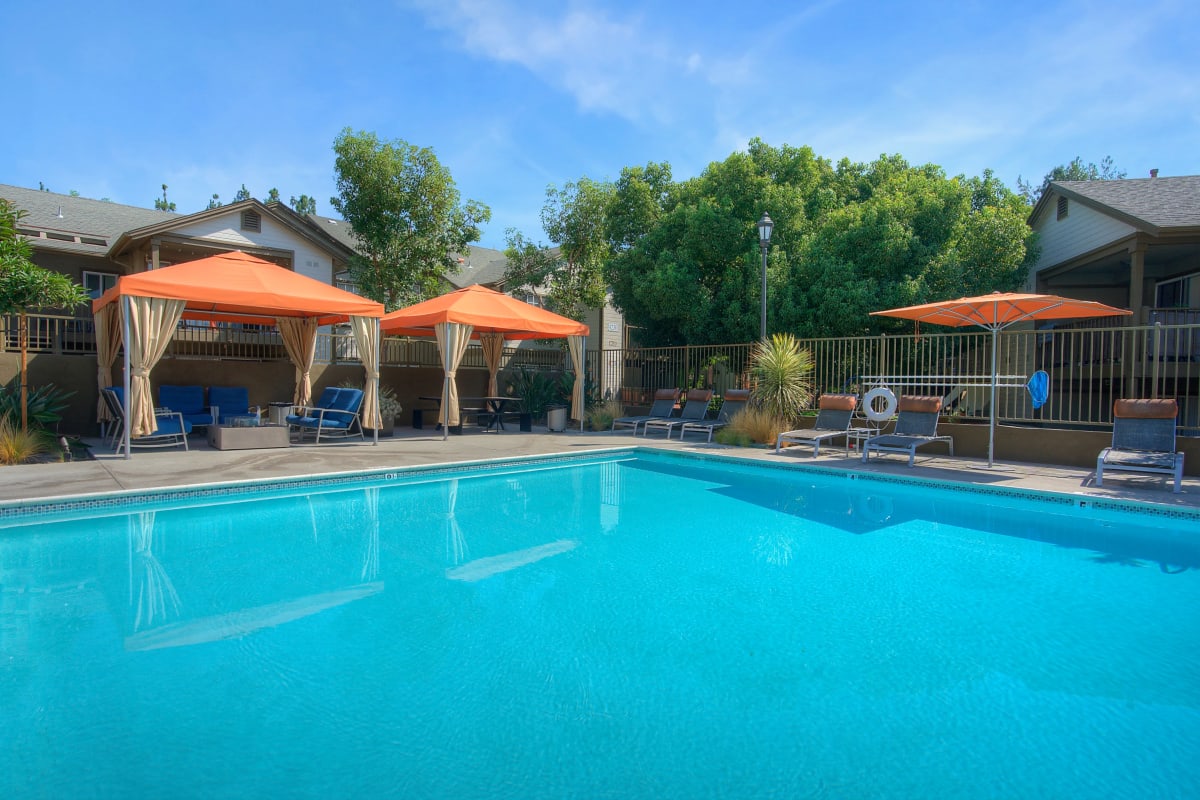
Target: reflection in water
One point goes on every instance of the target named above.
(456, 543)
(222, 578)
(774, 548)
(482, 568)
(611, 495)
(244, 621)
(152, 596)
(370, 567)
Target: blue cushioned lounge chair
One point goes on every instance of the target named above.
(334, 416)
(188, 401)
(230, 401)
(172, 430)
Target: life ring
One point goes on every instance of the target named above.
(889, 404)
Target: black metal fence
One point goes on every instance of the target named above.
(1090, 365)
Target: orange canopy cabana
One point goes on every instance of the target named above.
(476, 312)
(144, 309)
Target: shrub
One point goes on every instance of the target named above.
(18, 446)
(781, 375)
(389, 406)
(45, 403)
(600, 417)
(535, 389)
(750, 426)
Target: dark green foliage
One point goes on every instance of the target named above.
(46, 403)
(535, 388)
(849, 239)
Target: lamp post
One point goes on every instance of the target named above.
(764, 241)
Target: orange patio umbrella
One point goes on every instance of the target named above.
(997, 311)
(476, 312)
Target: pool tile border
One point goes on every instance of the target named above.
(1035, 495)
(24, 509)
(12, 511)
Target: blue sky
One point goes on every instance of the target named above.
(113, 100)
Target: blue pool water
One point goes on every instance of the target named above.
(620, 627)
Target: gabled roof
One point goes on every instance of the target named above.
(481, 266)
(1154, 205)
(282, 215)
(85, 225)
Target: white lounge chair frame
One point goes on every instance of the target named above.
(1143, 440)
(833, 421)
(916, 426)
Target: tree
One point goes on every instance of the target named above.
(574, 220)
(25, 287)
(406, 215)
(215, 202)
(303, 204)
(529, 265)
(164, 204)
(640, 197)
(273, 195)
(1075, 171)
(848, 240)
(241, 194)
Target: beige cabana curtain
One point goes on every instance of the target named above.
(152, 323)
(575, 344)
(299, 336)
(108, 342)
(492, 344)
(452, 341)
(366, 330)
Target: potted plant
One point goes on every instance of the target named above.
(389, 407)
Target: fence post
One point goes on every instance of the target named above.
(1154, 367)
(883, 354)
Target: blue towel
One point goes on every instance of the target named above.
(1039, 388)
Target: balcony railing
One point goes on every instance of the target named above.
(1089, 367)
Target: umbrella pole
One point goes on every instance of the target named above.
(992, 421)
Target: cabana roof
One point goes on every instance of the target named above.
(486, 311)
(242, 288)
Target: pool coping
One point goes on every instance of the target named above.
(34, 509)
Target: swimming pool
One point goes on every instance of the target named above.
(626, 625)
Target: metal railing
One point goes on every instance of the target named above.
(1089, 366)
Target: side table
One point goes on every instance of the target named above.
(260, 437)
(278, 412)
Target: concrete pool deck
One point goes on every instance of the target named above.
(202, 464)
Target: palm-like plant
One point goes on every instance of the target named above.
(781, 376)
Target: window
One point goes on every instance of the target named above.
(1173, 294)
(1062, 208)
(251, 221)
(97, 283)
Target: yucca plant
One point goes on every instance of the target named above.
(781, 377)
